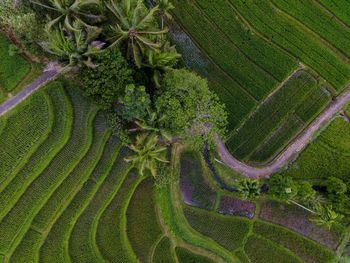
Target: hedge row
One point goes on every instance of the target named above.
(228, 231)
(289, 35)
(18, 220)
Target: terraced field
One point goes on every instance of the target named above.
(261, 55)
(13, 69)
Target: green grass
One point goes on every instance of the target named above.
(18, 220)
(12, 68)
(163, 252)
(186, 256)
(111, 236)
(295, 39)
(271, 115)
(228, 231)
(327, 156)
(143, 231)
(58, 137)
(260, 250)
(306, 249)
(193, 182)
(24, 133)
(338, 7)
(319, 21)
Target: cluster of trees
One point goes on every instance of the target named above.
(128, 66)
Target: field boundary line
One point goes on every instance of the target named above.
(339, 20)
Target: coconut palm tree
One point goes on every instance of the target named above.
(165, 6)
(147, 153)
(74, 47)
(137, 25)
(69, 10)
(162, 61)
(249, 188)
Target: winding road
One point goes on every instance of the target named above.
(51, 72)
(292, 150)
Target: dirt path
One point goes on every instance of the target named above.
(51, 72)
(291, 151)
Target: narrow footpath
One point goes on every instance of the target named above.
(51, 71)
(291, 151)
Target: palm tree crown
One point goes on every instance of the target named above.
(69, 10)
(147, 153)
(137, 24)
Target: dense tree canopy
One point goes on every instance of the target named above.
(191, 110)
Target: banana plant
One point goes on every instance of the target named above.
(75, 47)
(137, 25)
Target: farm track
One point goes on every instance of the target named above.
(292, 150)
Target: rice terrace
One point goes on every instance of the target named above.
(185, 131)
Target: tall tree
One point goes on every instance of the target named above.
(136, 24)
(68, 11)
(147, 153)
(74, 47)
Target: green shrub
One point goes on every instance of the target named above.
(228, 231)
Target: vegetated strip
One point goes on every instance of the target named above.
(338, 9)
(18, 220)
(57, 139)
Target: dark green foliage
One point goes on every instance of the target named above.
(228, 231)
(136, 103)
(305, 191)
(108, 81)
(142, 226)
(306, 249)
(191, 110)
(335, 186)
(283, 187)
(260, 250)
(186, 256)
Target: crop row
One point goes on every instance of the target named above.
(111, 238)
(257, 49)
(143, 231)
(289, 35)
(186, 256)
(12, 68)
(306, 249)
(271, 114)
(318, 20)
(230, 232)
(82, 246)
(339, 8)
(163, 252)
(261, 250)
(248, 75)
(18, 220)
(23, 133)
(41, 158)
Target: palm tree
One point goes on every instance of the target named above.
(147, 153)
(326, 216)
(162, 61)
(75, 47)
(249, 188)
(137, 25)
(165, 6)
(69, 11)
